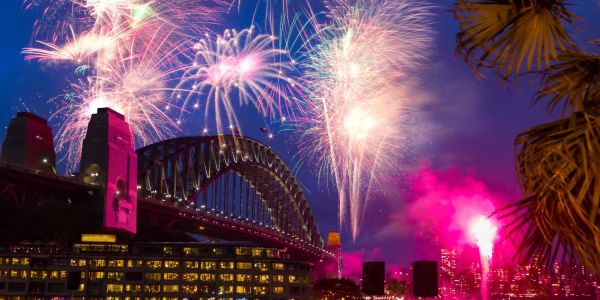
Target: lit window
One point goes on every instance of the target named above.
(152, 276)
(226, 265)
(261, 267)
(96, 275)
(244, 266)
(243, 251)
(262, 278)
(168, 250)
(20, 261)
(154, 264)
(243, 277)
(278, 290)
(118, 276)
(278, 266)
(190, 251)
(278, 278)
(135, 263)
(135, 288)
(114, 288)
(226, 289)
(190, 277)
(18, 274)
(242, 289)
(171, 276)
(208, 265)
(171, 288)
(97, 263)
(270, 252)
(116, 263)
(259, 290)
(78, 262)
(171, 264)
(152, 288)
(257, 252)
(38, 275)
(226, 277)
(207, 277)
(293, 279)
(190, 264)
(189, 289)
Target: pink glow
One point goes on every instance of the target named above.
(483, 230)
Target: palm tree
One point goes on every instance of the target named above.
(558, 163)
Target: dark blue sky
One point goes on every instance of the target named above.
(459, 122)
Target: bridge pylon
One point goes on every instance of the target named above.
(108, 159)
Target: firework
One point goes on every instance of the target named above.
(136, 84)
(483, 231)
(357, 75)
(242, 66)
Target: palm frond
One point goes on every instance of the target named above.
(510, 34)
(559, 167)
(572, 82)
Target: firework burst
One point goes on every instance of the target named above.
(357, 75)
(242, 66)
(483, 231)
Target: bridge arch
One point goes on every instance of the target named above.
(237, 179)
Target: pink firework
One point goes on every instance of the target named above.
(484, 232)
(239, 66)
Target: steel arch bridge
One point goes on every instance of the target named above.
(228, 186)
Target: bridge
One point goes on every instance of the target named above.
(226, 186)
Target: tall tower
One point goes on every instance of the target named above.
(29, 143)
(108, 160)
(334, 245)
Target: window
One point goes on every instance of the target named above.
(170, 276)
(171, 288)
(244, 265)
(242, 289)
(97, 263)
(190, 277)
(293, 279)
(259, 290)
(270, 252)
(96, 275)
(278, 290)
(168, 250)
(261, 267)
(243, 277)
(118, 276)
(77, 262)
(208, 265)
(226, 265)
(152, 276)
(226, 277)
(243, 251)
(116, 263)
(190, 251)
(20, 261)
(38, 275)
(152, 288)
(228, 289)
(257, 252)
(135, 263)
(135, 288)
(278, 278)
(207, 277)
(154, 264)
(278, 266)
(171, 264)
(114, 288)
(262, 278)
(190, 264)
(189, 289)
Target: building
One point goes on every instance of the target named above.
(105, 269)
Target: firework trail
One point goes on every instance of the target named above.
(484, 233)
(243, 66)
(357, 78)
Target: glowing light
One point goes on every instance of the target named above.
(483, 230)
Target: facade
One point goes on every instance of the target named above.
(113, 271)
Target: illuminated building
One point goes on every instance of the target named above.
(152, 271)
(448, 273)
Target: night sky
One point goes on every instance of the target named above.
(458, 125)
